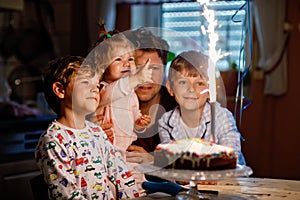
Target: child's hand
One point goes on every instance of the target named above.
(143, 75)
(106, 126)
(143, 121)
(108, 130)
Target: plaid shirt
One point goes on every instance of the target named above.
(226, 132)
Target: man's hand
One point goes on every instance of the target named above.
(137, 154)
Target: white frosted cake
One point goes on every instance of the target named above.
(194, 154)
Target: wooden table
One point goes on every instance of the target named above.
(247, 188)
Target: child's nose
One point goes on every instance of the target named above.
(191, 87)
(95, 88)
(126, 63)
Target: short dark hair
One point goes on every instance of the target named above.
(145, 40)
(62, 70)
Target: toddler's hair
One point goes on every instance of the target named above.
(104, 53)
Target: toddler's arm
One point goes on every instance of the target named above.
(124, 86)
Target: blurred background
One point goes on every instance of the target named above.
(263, 41)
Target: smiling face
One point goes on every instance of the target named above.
(188, 90)
(188, 80)
(82, 94)
(122, 64)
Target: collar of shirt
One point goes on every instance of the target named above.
(174, 122)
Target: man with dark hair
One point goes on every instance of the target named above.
(154, 100)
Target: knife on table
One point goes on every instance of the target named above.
(168, 188)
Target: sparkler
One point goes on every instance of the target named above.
(213, 57)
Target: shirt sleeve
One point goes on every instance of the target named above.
(163, 129)
(116, 90)
(120, 175)
(135, 106)
(228, 134)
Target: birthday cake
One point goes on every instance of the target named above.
(194, 154)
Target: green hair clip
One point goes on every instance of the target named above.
(171, 56)
(102, 30)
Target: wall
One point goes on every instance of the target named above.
(271, 124)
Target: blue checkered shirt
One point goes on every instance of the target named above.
(226, 132)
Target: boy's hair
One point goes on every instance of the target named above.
(62, 70)
(145, 40)
(192, 63)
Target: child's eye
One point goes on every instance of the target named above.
(200, 83)
(182, 82)
(130, 59)
(101, 86)
(118, 59)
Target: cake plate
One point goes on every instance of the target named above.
(194, 176)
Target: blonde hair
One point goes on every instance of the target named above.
(192, 63)
(103, 53)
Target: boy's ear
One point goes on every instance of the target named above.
(169, 88)
(58, 90)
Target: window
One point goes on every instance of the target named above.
(181, 23)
